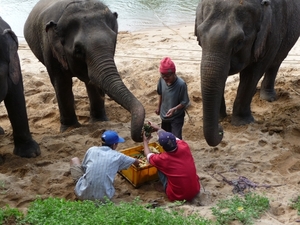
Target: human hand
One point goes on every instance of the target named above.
(154, 126)
(171, 112)
(146, 139)
(137, 162)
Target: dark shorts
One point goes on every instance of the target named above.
(174, 126)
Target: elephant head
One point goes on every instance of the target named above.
(80, 38)
(233, 36)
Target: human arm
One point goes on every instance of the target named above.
(155, 127)
(125, 161)
(146, 146)
(157, 111)
(174, 109)
(136, 163)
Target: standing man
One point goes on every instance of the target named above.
(96, 174)
(176, 166)
(173, 98)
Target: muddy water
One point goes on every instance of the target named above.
(133, 14)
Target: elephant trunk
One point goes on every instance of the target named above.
(104, 74)
(213, 77)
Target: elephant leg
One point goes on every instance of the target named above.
(15, 105)
(62, 84)
(267, 91)
(97, 100)
(241, 114)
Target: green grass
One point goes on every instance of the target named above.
(3, 188)
(295, 204)
(61, 211)
(245, 210)
(8, 215)
(56, 211)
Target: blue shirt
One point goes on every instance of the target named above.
(100, 166)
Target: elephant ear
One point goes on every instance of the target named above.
(55, 44)
(14, 62)
(115, 27)
(198, 21)
(265, 26)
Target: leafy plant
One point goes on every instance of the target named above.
(241, 209)
(296, 204)
(60, 211)
(3, 189)
(148, 130)
(65, 212)
(8, 214)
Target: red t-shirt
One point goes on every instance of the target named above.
(179, 167)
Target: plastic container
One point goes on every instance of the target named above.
(140, 175)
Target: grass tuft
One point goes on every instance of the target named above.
(9, 215)
(295, 204)
(241, 209)
(63, 212)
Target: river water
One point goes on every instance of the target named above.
(134, 15)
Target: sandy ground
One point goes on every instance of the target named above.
(267, 152)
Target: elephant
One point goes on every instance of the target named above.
(249, 37)
(78, 39)
(12, 93)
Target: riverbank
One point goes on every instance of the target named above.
(266, 152)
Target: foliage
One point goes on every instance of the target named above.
(241, 209)
(148, 130)
(60, 211)
(3, 189)
(296, 204)
(8, 214)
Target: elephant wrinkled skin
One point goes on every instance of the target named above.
(249, 37)
(12, 92)
(78, 39)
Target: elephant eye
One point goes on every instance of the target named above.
(238, 45)
(78, 51)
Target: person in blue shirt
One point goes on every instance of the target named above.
(95, 175)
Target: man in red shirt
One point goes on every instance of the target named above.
(176, 166)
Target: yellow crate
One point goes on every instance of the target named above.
(139, 175)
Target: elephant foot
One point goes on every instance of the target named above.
(269, 96)
(64, 128)
(98, 119)
(222, 116)
(241, 120)
(1, 131)
(29, 149)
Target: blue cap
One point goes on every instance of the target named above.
(167, 140)
(111, 137)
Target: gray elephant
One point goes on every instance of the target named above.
(78, 39)
(249, 37)
(12, 92)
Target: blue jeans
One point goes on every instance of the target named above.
(163, 179)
